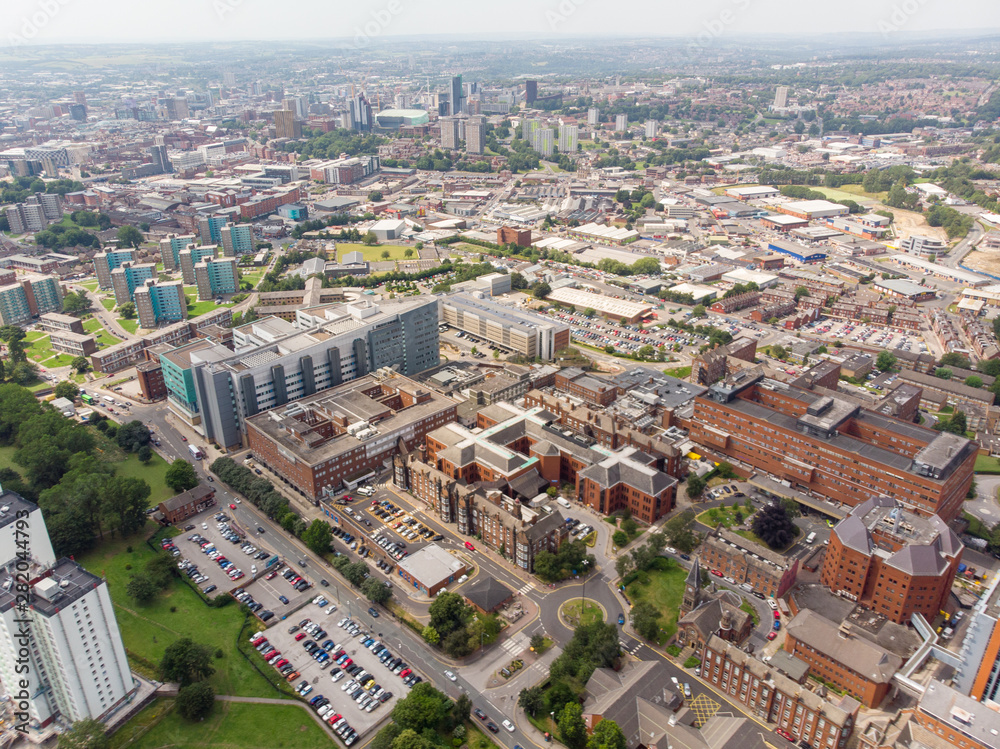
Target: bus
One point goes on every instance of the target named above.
(87, 398)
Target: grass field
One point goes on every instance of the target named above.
(987, 464)
(93, 325)
(235, 724)
(130, 325)
(108, 303)
(725, 515)
(40, 351)
(153, 473)
(842, 193)
(374, 254)
(681, 373)
(591, 612)
(175, 613)
(200, 308)
(89, 285)
(664, 588)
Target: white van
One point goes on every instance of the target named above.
(811, 537)
(564, 502)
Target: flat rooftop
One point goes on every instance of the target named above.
(66, 582)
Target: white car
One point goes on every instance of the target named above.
(508, 725)
(772, 603)
(451, 676)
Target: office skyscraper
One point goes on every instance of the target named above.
(457, 95)
(78, 112)
(361, 114)
(475, 135)
(530, 92)
(568, 138)
(160, 158)
(62, 657)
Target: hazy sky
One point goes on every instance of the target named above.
(54, 21)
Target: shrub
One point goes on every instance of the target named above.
(692, 662)
(673, 651)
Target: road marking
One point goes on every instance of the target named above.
(704, 707)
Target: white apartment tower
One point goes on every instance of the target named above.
(568, 138)
(780, 97)
(621, 122)
(61, 653)
(651, 128)
(593, 116)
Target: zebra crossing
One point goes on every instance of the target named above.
(526, 588)
(633, 649)
(515, 645)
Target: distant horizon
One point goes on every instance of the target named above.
(104, 22)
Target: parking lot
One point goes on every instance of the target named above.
(204, 528)
(874, 335)
(274, 586)
(324, 678)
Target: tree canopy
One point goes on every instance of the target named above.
(772, 525)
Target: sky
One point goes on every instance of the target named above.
(116, 21)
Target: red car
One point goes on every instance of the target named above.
(784, 734)
(300, 636)
(232, 507)
(776, 615)
(717, 573)
(469, 546)
(771, 635)
(347, 498)
(184, 438)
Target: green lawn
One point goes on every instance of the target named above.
(154, 473)
(681, 373)
(40, 351)
(108, 303)
(89, 285)
(664, 588)
(374, 254)
(93, 325)
(843, 193)
(130, 325)
(196, 308)
(724, 515)
(987, 464)
(253, 276)
(236, 724)
(591, 612)
(177, 612)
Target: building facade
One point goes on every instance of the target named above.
(215, 277)
(833, 447)
(160, 302)
(129, 276)
(748, 563)
(105, 262)
(28, 298)
(892, 561)
(237, 240)
(524, 333)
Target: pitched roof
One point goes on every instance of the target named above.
(487, 593)
(857, 654)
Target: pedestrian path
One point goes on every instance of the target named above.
(526, 588)
(516, 644)
(633, 649)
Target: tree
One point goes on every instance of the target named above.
(531, 700)
(85, 734)
(369, 239)
(885, 361)
(973, 381)
(955, 359)
(67, 389)
(375, 591)
(619, 538)
(141, 589)
(606, 735)
(318, 537)
(186, 661)
(145, 454)
(385, 254)
(646, 619)
(955, 424)
(75, 303)
(408, 252)
(374, 196)
(541, 290)
(80, 364)
(132, 435)
(630, 526)
(181, 476)
(772, 525)
(430, 635)
(801, 291)
(943, 373)
(424, 707)
(14, 338)
(410, 739)
(695, 486)
(698, 311)
(195, 701)
(448, 613)
(572, 729)
(125, 503)
(127, 310)
(537, 641)
(129, 236)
